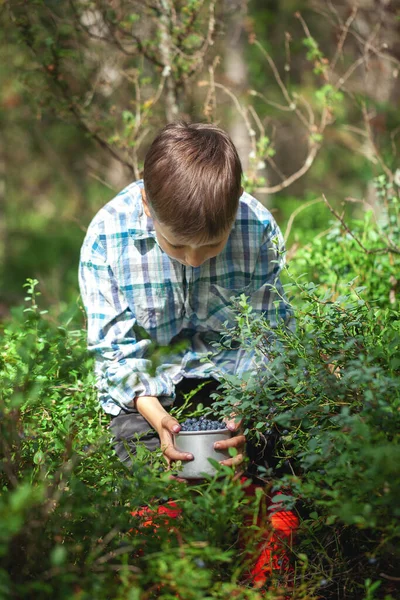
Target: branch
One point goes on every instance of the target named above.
(345, 31)
(295, 176)
(295, 213)
(286, 95)
(383, 250)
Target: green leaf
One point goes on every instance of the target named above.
(58, 555)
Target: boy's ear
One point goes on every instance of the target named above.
(145, 205)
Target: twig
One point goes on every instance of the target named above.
(112, 554)
(242, 111)
(105, 541)
(280, 83)
(382, 250)
(389, 577)
(282, 107)
(100, 569)
(100, 180)
(210, 103)
(342, 39)
(295, 213)
(388, 172)
(392, 136)
(284, 184)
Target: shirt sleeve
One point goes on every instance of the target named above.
(121, 367)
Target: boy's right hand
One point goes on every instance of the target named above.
(169, 426)
(165, 425)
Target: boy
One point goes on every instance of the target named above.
(159, 266)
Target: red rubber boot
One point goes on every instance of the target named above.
(278, 530)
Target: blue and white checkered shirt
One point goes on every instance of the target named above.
(139, 300)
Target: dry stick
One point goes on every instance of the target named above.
(288, 39)
(100, 569)
(242, 112)
(383, 250)
(257, 119)
(359, 37)
(386, 169)
(313, 146)
(342, 80)
(58, 486)
(261, 129)
(60, 571)
(284, 184)
(392, 136)
(100, 180)
(345, 31)
(311, 116)
(282, 86)
(112, 554)
(372, 209)
(105, 541)
(304, 24)
(210, 103)
(295, 213)
(389, 577)
(282, 107)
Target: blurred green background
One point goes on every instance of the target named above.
(84, 86)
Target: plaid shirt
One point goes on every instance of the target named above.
(142, 304)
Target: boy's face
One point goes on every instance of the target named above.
(191, 253)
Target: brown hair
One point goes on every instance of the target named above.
(192, 179)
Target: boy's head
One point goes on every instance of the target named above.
(192, 181)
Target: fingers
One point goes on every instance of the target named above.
(167, 445)
(233, 424)
(178, 479)
(233, 461)
(234, 442)
(170, 424)
(171, 453)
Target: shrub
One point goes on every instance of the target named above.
(326, 399)
(66, 502)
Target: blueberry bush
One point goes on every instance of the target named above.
(326, 403)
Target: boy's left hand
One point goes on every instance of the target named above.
(236, 441)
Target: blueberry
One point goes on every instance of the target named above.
(200, 564)
(372, 560)
(323, 582)
(285, 432)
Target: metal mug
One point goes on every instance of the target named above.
(201, 445)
